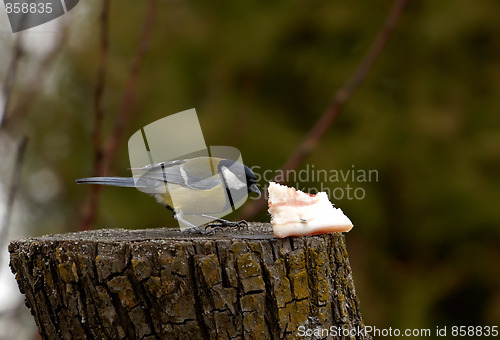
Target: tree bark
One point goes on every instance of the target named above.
(162, 284)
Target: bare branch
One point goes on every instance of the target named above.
(341, 97)
(125, 111)
(90, 209)
(8, 84)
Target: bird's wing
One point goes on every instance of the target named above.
(193, 173)
(162, 164)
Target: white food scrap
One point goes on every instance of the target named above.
(296, 213)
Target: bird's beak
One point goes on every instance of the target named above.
(253, 188)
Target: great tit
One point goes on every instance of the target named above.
(197, 186)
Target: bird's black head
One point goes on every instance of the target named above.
(237, 175)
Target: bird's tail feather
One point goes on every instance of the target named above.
(115, 181)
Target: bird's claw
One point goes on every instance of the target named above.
(218, 225)
(241, 224)
(212, 228)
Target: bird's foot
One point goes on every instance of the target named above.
(212, 228)
(220, 223)
(191, 228)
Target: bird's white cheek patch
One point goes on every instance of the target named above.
(295, 213)
(232, 180)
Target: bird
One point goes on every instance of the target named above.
(197, 186)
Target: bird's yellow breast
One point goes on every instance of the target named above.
(191, 201)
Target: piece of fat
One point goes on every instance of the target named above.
(296, 213)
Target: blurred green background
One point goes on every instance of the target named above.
(426, 242)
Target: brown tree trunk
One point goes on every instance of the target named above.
(162, 284)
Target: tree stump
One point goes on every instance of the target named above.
(162, 284)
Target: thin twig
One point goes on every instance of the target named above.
(125, 110)
(128, 97)
(8, 84)
(30, 95)
(11, 196)
(341, 97)
(90, 210)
